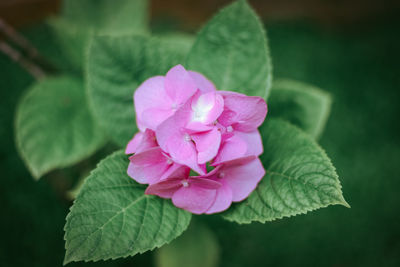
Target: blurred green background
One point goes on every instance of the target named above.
(356, 62)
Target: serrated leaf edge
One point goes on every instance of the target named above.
(66, 261)
(305, 211)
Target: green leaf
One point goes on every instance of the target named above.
(81, 18)
(182, 40)
(299, 177)
(113, 218)
(108, 16)
(197, 247)
(74, 191)
(232, 51)
(116, 66)
(54, 127)
(72, 40)
(303, 105)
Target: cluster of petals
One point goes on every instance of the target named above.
(196, 145)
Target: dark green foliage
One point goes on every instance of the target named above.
(303, 105)
(113, 218)
(81, 18)
(116, 66)
(54, 127)
(232, 51)
(299, 177)
(197, 247)
(359, 70)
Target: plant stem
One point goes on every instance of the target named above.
(16, 56)
(18, 39)
(27, 49)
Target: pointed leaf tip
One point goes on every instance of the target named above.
(234, 38)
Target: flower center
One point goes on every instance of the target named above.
(229, 129)
(185, 183)
(202, 106)
(187, 137)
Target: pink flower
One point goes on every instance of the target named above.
(149, 164)
(190, 135)
(214, 192)
(186, 123)
(240, 119)
(160, 97)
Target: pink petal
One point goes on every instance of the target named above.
(150, 94)
(253, 141)
(236, 162)
(207, 144)
(155, 116)
(164, 189)
(148, 141)
(202, 82)
(168, 187)
(174, 140)
(176, 171)
(233, 148)
(145, 174)
(239, 145)
(134, 143)
(179, 85)
(242, 176)
(148, 166)
(183, 151)
(206, 108)
(248, 112)
(196, 127)
(229, 93)
(171, 127)
(204, 183)
(193, 198)
(222, 201)
(226, 132)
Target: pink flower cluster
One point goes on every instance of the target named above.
(188, 127)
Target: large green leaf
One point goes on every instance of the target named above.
(54, 127)
(116, 66)
(72, 40)
(232, 51)
(299, 177)
(113, 218)
(303, 105)
(197, 247)
(107, 16)
(81, 18)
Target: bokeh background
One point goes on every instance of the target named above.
(349, 48)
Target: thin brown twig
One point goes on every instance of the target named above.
(16, 56)
(18, 39)
(29, 58)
